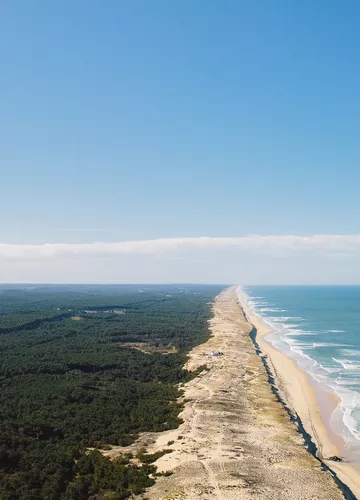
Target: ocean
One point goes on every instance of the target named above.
(319, 327)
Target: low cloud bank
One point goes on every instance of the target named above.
(326, 244)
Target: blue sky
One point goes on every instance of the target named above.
(138, 120)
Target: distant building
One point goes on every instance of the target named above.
(214, 353)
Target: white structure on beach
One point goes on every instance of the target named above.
(214, 353)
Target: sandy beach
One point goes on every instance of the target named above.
(236, 440)
(313, 405)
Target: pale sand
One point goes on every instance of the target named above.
(297, 389)
(236, 440)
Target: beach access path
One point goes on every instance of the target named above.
(236, 440)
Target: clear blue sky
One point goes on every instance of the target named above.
(135, 120)
(160, 119)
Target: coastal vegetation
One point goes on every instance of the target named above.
(70, 386)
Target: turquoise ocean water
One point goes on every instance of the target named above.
(319, 327)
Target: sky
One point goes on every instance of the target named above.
(182, 141)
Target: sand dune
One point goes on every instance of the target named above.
(236, 441)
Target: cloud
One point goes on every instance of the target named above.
(323, 244)
(79, 230)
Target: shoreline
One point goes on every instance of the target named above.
(237, 440)
(313, 404)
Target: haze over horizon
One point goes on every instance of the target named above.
(180, 142)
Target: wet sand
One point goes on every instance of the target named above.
(236, 440)
(313, 405)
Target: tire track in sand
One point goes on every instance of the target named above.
(212, 478)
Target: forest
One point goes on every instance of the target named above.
(88, 366)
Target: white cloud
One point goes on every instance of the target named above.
(326, 244)
(270, 259)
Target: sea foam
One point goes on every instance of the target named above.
(334, 364)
